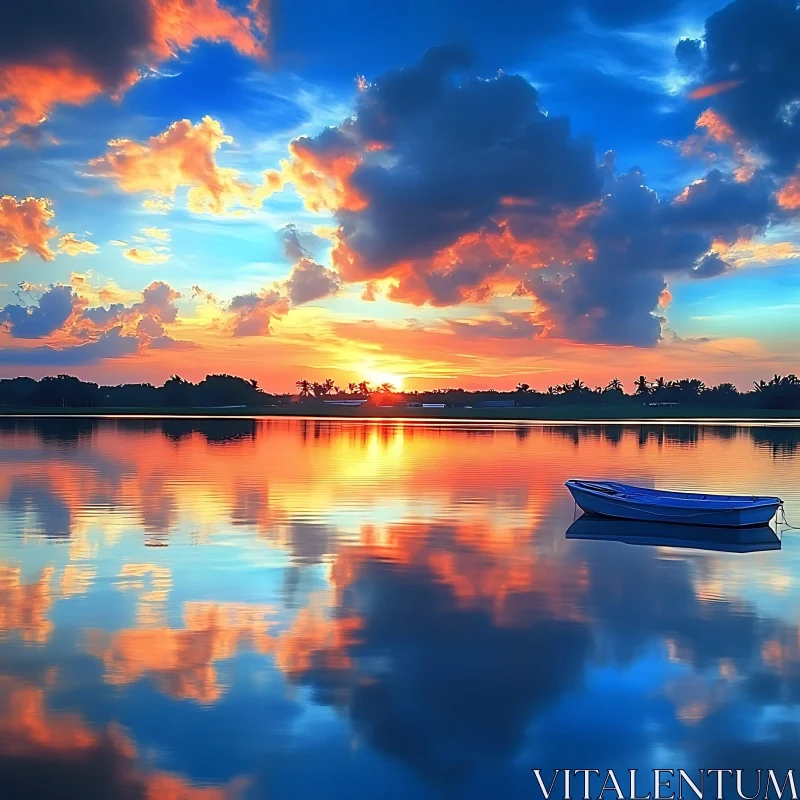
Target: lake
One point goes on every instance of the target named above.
(284, 608)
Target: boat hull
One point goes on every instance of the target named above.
(614, 508)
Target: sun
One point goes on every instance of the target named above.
(375, 378)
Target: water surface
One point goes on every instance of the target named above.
(293, 608)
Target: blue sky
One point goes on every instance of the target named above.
(448, 184)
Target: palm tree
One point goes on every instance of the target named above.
(642, 386)
(304, 387)
(523, 387)
(660, 383)
(363, 388)
(386, 387)
(691, 386)
(576, 386)
(614, 385)
(352, 388)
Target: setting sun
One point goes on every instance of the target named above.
(375, 379)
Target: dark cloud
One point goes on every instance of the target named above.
(416, 711)
(52, 310)
(710, 266)
(458, 149)
(447, 183)
(290, 236)
(639, 242)
(723, 208)
(754, 43)
(308, 280)
(104, 37)
(311, 281)
(253, 313)
(689, 53)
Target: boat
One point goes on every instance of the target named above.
(666, 534)
(621, 501)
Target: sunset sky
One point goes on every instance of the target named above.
(440, 193)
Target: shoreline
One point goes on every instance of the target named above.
(568, 415)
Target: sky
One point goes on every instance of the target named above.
(427, 193)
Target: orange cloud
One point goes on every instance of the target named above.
(32, 88)
(25, 607)
(717, 130)
(32, 91)
(709, 90)
(715, 125)
(477, 265)
(320, 178)
(747, 252)
(24, 226)
(178, 24)
(72, 247)
(145, 255)
(181, 661)
(788, 196)
(30, 732)
(183, 156)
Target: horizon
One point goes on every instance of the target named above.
(477, 198)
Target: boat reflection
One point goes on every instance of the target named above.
(664, 534)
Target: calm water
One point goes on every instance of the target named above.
(287, 608)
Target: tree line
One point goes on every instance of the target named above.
(221, 390)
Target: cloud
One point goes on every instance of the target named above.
(722, 207)
(183, 156)
(788, 197)
(72, 247)
(111, 344)
(427, 158)
(701, 92)
(308, 280)
(157, 233)
(24, 227)
(54, 307)
(750, 72)
(51, 53)
(710, 266)
(252, 314)
(79, 333)
(618, 295)
(450, 189)
(311, 281)
(157, 205)
(145, 255)
(503, 325)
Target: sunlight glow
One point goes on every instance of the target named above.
(376, 378)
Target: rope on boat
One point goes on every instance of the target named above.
(784, 521)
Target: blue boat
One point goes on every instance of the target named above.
(665, 534)
(621, 501)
